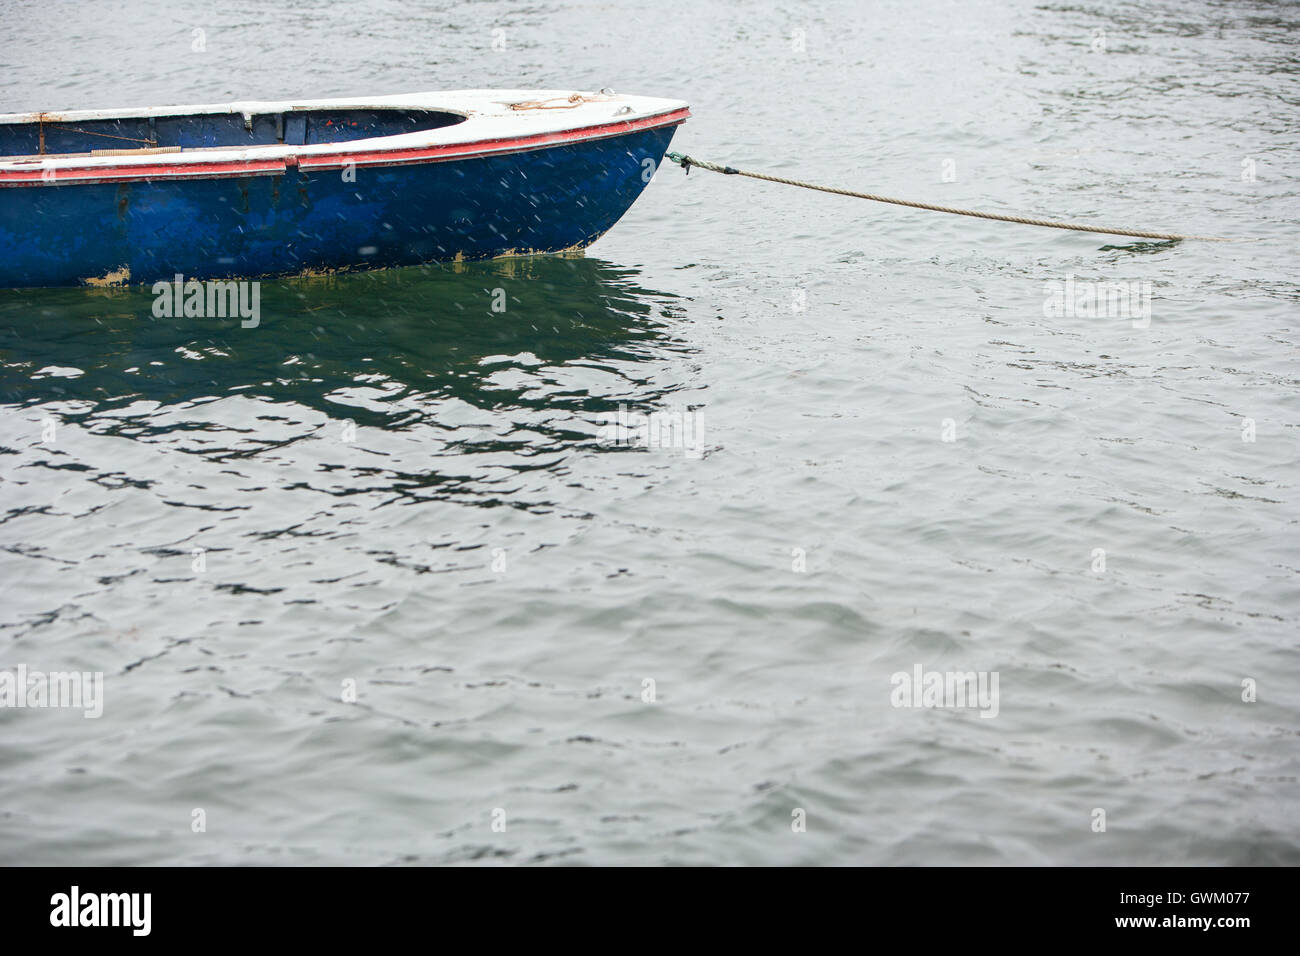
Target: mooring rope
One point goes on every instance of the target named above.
(686, 162)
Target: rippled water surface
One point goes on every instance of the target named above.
(389, 486)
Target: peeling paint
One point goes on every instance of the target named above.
(119, 276)
(578, 250)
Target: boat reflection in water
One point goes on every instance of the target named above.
(509, 362)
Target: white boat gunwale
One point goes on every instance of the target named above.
(490, 126)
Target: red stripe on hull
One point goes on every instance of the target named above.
(38, 176)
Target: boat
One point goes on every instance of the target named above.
(263, 189)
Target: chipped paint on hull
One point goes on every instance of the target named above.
(323, 273)
(120, 276)
(578, 249)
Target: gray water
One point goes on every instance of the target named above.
(499, 583)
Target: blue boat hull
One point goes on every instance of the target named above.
(307, 222)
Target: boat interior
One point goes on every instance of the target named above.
(55, 136)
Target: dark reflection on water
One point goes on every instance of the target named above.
(490, 334)
(427, 333)
(407, 385)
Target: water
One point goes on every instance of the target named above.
(498, 582)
